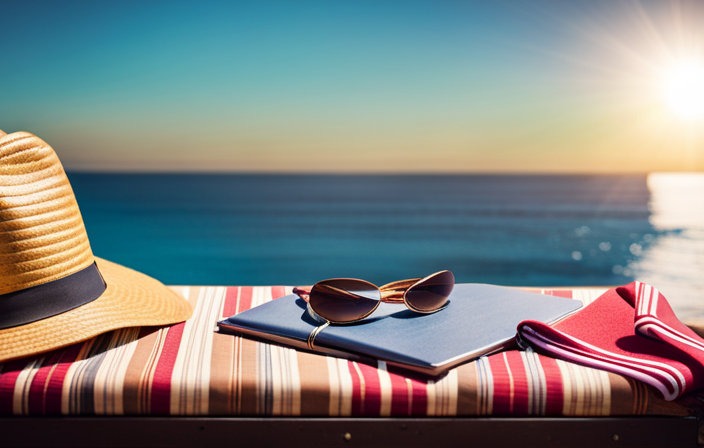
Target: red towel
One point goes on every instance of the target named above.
(630, 330)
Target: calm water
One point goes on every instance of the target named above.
(510, 230)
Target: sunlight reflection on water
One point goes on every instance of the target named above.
(674, 262)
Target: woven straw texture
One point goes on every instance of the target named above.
(42, 239)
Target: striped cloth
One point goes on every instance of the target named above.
(630, 330)
(189, 369)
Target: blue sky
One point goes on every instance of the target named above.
(351, 86)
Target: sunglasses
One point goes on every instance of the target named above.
(349, 300)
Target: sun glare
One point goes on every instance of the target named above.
(684, 91)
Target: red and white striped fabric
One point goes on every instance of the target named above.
(632, 331)
(189, 369)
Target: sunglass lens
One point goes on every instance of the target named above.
(431, 293)
(344, 300)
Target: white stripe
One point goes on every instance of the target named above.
(633, 362)
(658, 326)
(639, 297)
(629, 359)
(386, 390)
(669, 396)
(654, 303)
(346, 387)
(510, 382)
(648, 296)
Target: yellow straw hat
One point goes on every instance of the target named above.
(53, 291)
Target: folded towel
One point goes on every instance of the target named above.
(630, 330)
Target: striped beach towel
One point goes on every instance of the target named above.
(630, 330)
(189, 369)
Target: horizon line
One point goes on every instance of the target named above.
(373, 173)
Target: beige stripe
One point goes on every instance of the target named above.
(567, 387)
(588, 376)
(468, 384)
(450, 390)
(238, 376)
(190, 381)
(186, 292)
(140, 362)
(485, 399)
(605, 390)
(249, 377)
(110, 378)
(222, 375)
(341, 387)
(594, 389)
(580, 378)
(286, 383)
(295, 382)
(335, 387)
(430, 397)
(587, 296)
(20, 402)
(587, 391)
(442, 395)
(278, 376)
(261, 295)
(386, 390)
(315, 380)
(577, 384)
(621, 395)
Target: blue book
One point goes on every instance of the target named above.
(479, 319)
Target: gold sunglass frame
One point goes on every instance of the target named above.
(394, 292)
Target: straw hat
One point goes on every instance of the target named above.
(53, 291)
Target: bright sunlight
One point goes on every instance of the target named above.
(684, 91)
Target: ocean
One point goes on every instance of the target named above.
(519, 230)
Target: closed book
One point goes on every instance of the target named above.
(479, 319)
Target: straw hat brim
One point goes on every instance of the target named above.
(131, 299)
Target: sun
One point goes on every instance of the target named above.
(684, 90)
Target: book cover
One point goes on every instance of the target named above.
(478, 320)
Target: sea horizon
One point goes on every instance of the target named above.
(295, 229)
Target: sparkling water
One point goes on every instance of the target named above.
(501, 229)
